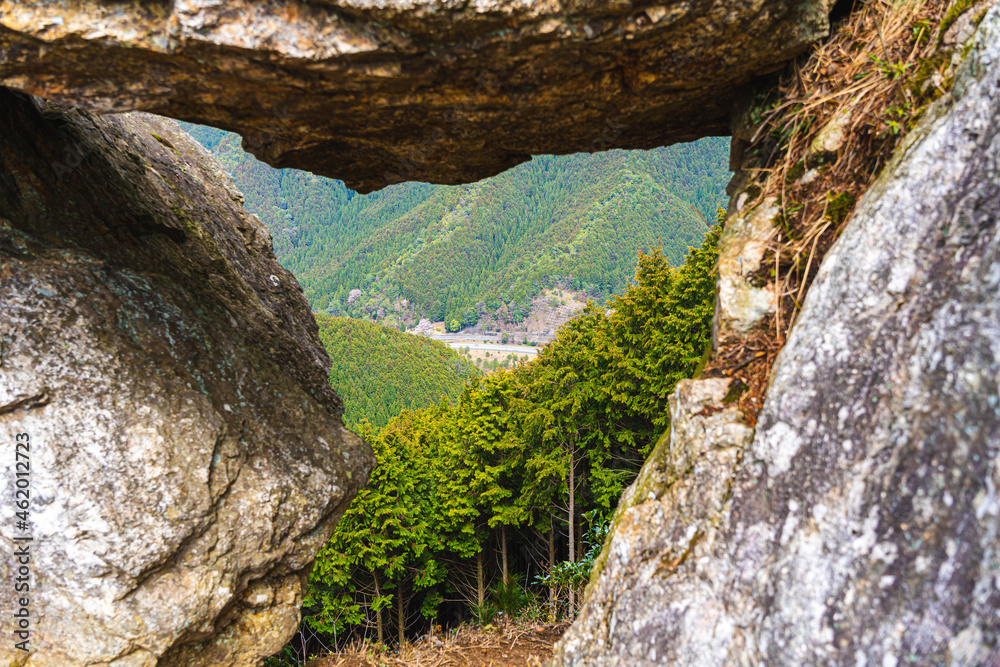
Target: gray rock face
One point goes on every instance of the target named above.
(379, 91)
(862, 525)
(187, 454)
(739, 304)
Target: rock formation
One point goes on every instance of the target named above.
(431, 90)
(861, 524)
(187, 454)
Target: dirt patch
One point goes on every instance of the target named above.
(465, 647)
(550, 309)
(553, 308)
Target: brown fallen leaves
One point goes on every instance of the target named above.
(514, 646)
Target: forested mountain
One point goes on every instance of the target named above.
(500, 485)
(379, 372)
(457, 252)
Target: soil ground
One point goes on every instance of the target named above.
(466, 647)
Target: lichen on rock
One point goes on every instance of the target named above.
(672, 507)
(187, 453)
(740, 304)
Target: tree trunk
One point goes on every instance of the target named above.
(480, 582)
(503, 551)
(572, 522)
(400, 616)
(378, 614)
(582, 481)
(552, 567)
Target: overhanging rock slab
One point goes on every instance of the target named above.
(434, 90)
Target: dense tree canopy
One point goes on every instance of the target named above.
(494, 479)
(379, 372)
(527, 456)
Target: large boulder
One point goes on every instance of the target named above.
(187, 453)
(861, 526)
(432, 90)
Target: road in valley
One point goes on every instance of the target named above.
(487, 343)
(516, 349)
(444, 338)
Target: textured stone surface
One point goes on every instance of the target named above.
(739, 303)
(658, 515)
(862, 526)
(187, 453)
(373, 92)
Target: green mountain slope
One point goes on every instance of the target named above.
(379, 372)
(458, 252)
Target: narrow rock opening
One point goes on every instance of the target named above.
(841, 9)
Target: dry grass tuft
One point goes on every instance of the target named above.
(510, 646)
(749, 360)
(871, 79)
